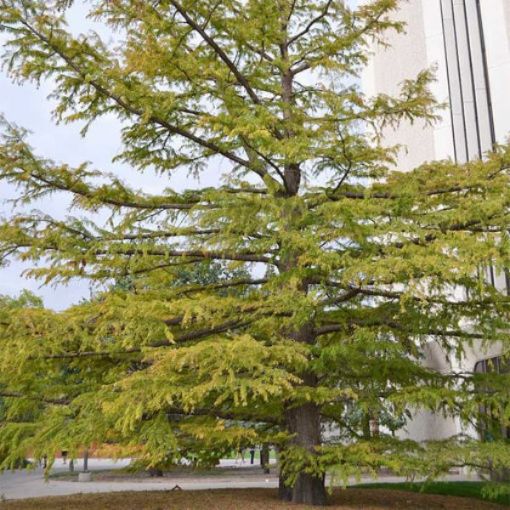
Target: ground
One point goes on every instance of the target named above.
(253, 499)
(499, 492)
(110, 476)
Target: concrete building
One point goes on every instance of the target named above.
(468, 42)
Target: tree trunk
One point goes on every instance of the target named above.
(309, 490)
(302, 420)
(86, 460)
(264, 458)
(304, 423)
(284, 491)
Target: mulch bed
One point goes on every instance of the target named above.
(252, 499)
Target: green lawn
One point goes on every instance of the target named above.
(479, 490)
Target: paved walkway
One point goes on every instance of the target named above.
(30, 484)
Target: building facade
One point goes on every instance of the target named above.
(468, 44)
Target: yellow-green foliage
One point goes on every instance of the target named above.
(309, 278)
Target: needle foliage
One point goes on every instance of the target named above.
(291, 303)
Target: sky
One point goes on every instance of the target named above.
(29, 107)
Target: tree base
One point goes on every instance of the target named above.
(308, 490)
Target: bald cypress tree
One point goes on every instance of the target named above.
(338, 269)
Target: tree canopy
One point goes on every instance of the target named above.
(334, 271)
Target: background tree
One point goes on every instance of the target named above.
(351, 267)
(25, 300)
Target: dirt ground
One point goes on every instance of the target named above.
(253, 499)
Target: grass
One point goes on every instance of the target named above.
(476, 490)
(177, 472)
(253, 499)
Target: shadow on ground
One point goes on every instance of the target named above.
(253, 499)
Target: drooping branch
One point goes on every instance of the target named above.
(225, 415)
(432, 299)
(178, 339)
(130, 251)
(218, 286)
(457, 333)
(206, 255)
(39, 398)
(346, 296)
(171, 412)
(20, 164)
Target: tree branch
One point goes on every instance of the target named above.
(336, 327)
(217, 49)
(193, 254)
(130, 108)
(13, 394)
(312, 22)
(184, 337)
(222, 285)
(173, 411)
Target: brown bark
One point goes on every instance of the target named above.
(303, 422)
(264, 458)
(86, 460)
(284, 490)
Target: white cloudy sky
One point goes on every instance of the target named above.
(28, 106)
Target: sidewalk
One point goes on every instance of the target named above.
(31, 484)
